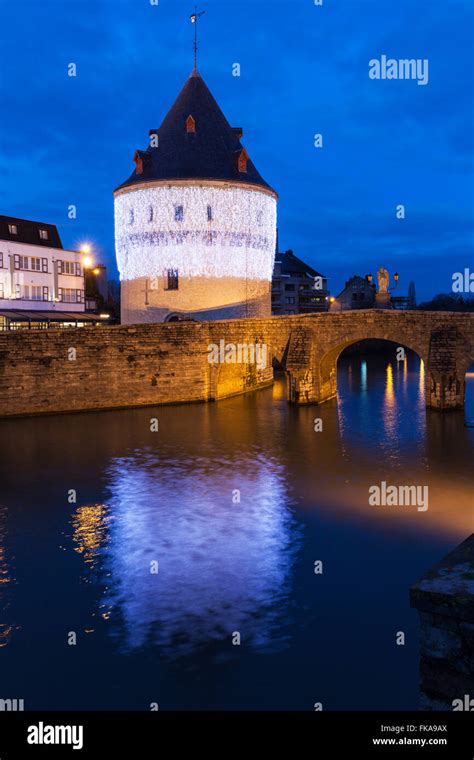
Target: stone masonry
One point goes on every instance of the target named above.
(140, 365)
(444, 598)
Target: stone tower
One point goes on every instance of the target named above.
(195, 224)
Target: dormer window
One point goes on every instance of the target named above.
(13, 229)
(190, 124)
(43, 234)
(138, 162)
(241, 157)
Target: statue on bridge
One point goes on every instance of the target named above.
(382, 296)
(383, 278)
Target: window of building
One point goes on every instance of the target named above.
(26, 292)
(190, 124)
(1, 260)
(2, 291)
(67, 295)
(67, 267)
(209, 213)
(36, 293)
(45, 293)
(17, 291)
(79, 296)
(36, 264)
(43, 234)
(13, 229)
(173, 281)
(289, 287)
(131, 216)
(290, 299)
(150, 213)
(178, 213)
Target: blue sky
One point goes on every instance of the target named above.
(304, 70)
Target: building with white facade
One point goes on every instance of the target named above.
(41, 283)
(195, 223)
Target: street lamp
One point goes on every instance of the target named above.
(395, 277)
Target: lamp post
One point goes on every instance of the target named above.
(395, 277)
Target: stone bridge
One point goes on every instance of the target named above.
(145, 365)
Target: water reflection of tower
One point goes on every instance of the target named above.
(222, 566)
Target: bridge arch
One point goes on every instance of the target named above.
(312, 358)
(328, 361)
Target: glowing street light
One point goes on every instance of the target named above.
(87, 260)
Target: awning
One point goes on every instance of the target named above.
(49, 316)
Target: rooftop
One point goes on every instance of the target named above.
(204, 146)
(26, 231)
(292, 265)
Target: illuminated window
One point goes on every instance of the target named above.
(173, 282)
(12, 229)
(190, 124)
(43, 234)
(178, 213)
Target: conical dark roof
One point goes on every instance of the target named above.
(210, 152)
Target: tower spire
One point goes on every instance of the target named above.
(194, 19)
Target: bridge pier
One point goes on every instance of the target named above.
(446, 391)
(446, 388)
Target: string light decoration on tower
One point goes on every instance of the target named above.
(195, 223)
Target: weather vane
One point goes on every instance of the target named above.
(194, 19)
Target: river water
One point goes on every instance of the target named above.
(181, 541)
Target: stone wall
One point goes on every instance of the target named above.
(444, 598)
(146, 300)
(114, 367)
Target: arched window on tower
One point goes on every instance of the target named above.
(190, 124)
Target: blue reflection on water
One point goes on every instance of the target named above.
(224, 565)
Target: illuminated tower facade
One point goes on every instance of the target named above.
(195, 223)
